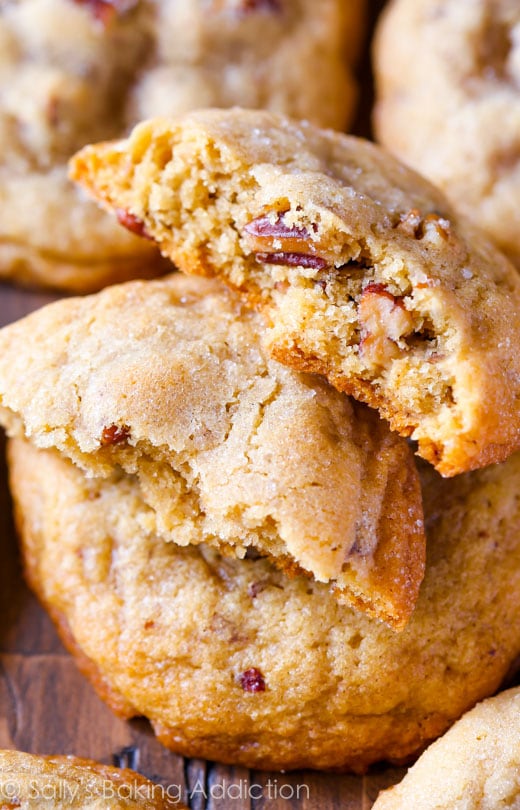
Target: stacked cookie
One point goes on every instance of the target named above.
(364, 272)
(168, 381)
(75, 71)
(228, 544)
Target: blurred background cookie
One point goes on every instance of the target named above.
(64, 77)
(475, 766)
(233, 661)
(59, 782)
(448, 103)
(72, 72)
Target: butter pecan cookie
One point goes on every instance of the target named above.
(168, 381)
(233, 661)
(64, 74)
(475, 766)
(74, 71)
(58, 782)
(363, 270)
(448, 103)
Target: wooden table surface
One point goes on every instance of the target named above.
(46, 706)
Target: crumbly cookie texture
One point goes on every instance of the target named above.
(168, 381)
(364, 272)
(233, 661)
(475, 766)
(62, 782)
(448, 104)
(72, 72)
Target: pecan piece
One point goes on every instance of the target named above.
(268, 236)
(410, 223)
(263, 226)
(437, 226)
(245, 7)
(104, 11)
(114, 434)
(293, 260)
(383, 320)
(415, 225)
(275, 242)
(131, 222)
(254, 588)
(272, 6)
(252, 680)
(101, 10)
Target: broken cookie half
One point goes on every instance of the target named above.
(365, 273)
(167, 382)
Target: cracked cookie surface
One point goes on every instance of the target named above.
(361, 267)
(448, 103)
(475, 766)
(233, 661)
(72, 72)
(168, 381)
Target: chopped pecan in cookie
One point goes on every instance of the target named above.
(406, 311)
(252, 680)
(114, 434)
(384, 320)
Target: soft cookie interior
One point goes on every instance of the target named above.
(358, 264)
(168, 383)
